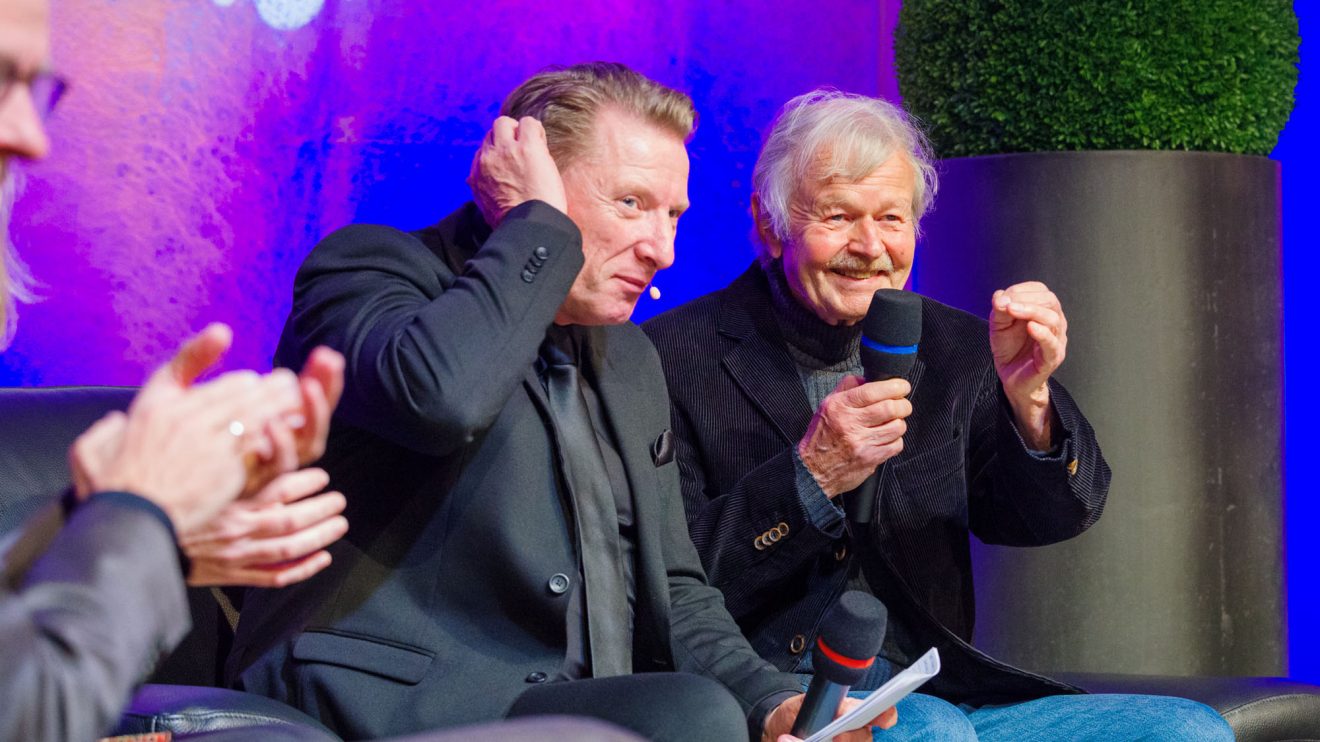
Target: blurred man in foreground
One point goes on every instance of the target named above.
(92, 591)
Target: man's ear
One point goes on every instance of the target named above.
(764, 230)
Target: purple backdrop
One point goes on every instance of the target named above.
(206, 146)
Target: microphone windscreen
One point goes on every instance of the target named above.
(891, 332)
(850, 636)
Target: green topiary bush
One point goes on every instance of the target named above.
(990, 76)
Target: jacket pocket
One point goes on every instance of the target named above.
(932, 484)
(393, 661)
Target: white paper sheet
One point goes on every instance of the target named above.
(883, 697)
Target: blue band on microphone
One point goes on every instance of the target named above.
(898, 350)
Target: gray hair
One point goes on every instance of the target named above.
(16, 283)
(857, 133)
(566, 100)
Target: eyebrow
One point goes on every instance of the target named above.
(846, 200)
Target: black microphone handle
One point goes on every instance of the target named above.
(819, 707)
(859, 504)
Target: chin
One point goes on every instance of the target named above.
(614, 314)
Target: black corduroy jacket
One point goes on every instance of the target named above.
(739, 409)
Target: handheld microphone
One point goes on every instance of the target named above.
(850, 636)
(891, 332)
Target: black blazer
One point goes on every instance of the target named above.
(739, 409)
(445, 599)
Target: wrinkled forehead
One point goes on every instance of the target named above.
(842, 162)
(25, 33)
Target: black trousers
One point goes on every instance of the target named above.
(664, 707)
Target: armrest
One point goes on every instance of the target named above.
(189, 709)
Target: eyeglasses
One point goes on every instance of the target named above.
(46, 88)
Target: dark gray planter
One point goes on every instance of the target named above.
(1168, 266)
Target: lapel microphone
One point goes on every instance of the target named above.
(849, 638)
(891, 332)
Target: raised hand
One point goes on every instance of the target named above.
(1029, 340)
(186, 447)
(514, 166)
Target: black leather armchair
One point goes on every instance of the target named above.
(183, 694)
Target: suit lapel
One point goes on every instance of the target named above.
(759, 363)
(914, 376)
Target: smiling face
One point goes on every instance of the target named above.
(847, 239)
(625, 192)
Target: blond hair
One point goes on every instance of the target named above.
(566, 100)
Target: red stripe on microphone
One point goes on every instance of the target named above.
(840, 659)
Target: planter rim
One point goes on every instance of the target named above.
(1109, 154)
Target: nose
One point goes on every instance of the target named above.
(867, 239)
(657, 249)
(21, 131)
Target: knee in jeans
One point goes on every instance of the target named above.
(922, 717)
(1190, 721)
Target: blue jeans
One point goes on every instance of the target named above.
(1112, 718)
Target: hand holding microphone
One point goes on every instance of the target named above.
(850, 636)
(860, 425)
(891, 332)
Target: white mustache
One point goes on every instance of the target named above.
(882, 264)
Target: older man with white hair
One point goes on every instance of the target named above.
(774, 423)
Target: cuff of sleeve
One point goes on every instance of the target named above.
(1056, 454)
(761, 711)
(821, 510)
(136, 502)
(540, 211)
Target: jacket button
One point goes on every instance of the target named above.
(528, 276)
(798, 644)
(840, 553)
(541, 252)
(558, 584)
(536, 677)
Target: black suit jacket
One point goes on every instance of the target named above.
(446, 597)
(739, 409)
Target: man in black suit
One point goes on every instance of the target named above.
(518, 540)
(773, 424)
